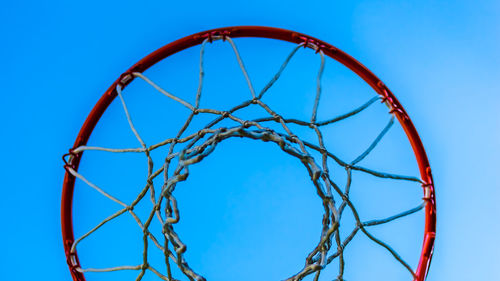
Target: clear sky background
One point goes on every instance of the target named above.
(440, 58)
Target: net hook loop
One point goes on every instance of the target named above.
(314, 44)
(125, 79)
(394, 108)
(216, 34)
(68, 159)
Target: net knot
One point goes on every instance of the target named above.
(340, 248)
(180, 249)
(295, 139)
(225, 114)
(277, 117)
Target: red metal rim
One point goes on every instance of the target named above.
(263, 32)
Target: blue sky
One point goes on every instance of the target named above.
(440, 59)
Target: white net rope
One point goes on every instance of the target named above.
(197, 146)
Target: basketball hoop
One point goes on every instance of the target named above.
(194, 148)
